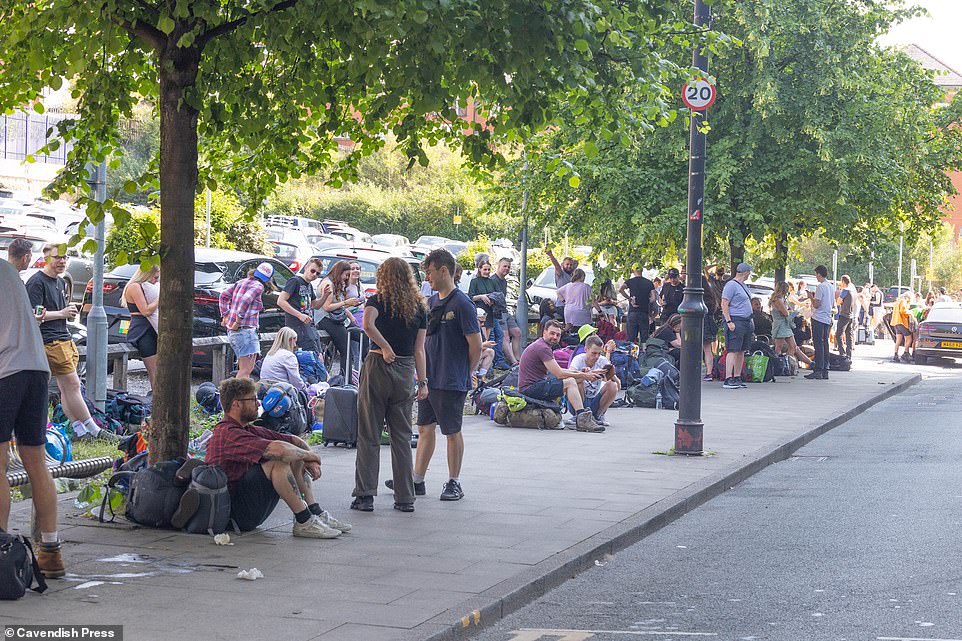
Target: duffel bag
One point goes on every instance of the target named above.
(535, 418)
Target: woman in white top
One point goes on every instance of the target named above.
(577, 300)
(280, 364)
(140, 297)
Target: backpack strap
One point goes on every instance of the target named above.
(37, 574)
(105, 502)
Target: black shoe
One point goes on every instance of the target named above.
(189, 504)
(814, 375)
(404, 507)
(452, 491)
(363, 504)
(419, 488)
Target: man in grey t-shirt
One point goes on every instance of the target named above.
(24, 375)
(823, 300)
(736, 306)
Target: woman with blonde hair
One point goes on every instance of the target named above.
(140, 296)
(783, 329)
(280, 364)
(395, 319)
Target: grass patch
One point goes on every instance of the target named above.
(672, 452)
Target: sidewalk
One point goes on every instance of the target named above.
(539, 506)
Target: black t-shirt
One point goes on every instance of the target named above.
(51, 293)
(640, 289)
(666, 333)
(448, 360)
(302, 295)
(672, 295)
(400, 336)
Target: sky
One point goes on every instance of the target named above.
(939, 33)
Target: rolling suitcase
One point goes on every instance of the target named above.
(340, 416)
(860, 336)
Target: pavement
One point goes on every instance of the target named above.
(852, 537)
(540, 507)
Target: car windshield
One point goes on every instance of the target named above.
(368, 267)
(546, 279)
(945, 315)
(430, 240)
(35, 245)
(284, 252)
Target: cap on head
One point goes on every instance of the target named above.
(264, 272)
(585, 331)
(673, 273)
(743, 267)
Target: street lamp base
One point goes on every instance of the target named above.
(688, 437)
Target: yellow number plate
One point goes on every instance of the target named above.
(124, 326)
(952, 344)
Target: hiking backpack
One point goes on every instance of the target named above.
(311, 367)
(627, 368)
(154, 494)
(213, 511)
(285, 408)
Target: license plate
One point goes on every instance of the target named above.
(124, 326)
(952, 344)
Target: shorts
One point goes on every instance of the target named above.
(142, 336)
(709, 329)
(444, 408)
(244, 342)
(512, 322)
(902, 330)
(62, 357)
(548, 388)
(23, 407)
(739, 339)
(593, 403)
(253, 500)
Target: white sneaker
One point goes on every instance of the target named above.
(602, 420)
(571, 422)
(333, 523)
(314, 528)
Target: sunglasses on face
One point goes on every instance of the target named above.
(313, 271)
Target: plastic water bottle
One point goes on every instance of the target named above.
(658, 405)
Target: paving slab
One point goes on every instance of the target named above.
(540, 506)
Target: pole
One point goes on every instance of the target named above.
(689, 426)
(901, 238)
(522, 310)
(871, 268)
(97, 319)
(834, 265)
(208, 216)
(931, 273)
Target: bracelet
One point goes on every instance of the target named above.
(423, 383)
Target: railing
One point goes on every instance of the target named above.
(23, 133)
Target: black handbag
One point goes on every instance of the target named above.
(18, 567)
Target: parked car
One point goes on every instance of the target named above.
(390, 240)
(891, 294)
(543, 286)
(214, 271)
(369, 260)
(351, 234)
(291, 246)
(455, 246)
(10, 206)
(940, 334)
(79, 268)
(299, 222)
(431, 241)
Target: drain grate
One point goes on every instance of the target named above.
(810, 459)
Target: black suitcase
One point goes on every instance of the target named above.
(340, 416)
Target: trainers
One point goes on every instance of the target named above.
(741, 383)
(571, 421)
(906, 358)
(189, 502)
(314, 528)
(586, 422)
(404, 507)
(333, 523)
(419, 488)
(103, 436)
(363, 504)
(452, 491)
(603, 420)
(895, 359)
(731, 383)
(50, 561)
(707, 378)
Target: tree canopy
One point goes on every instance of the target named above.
(817, 129)
(251, 93)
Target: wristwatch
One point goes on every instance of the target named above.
(423, 382)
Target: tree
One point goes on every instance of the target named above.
(817, 130)
(266, 85)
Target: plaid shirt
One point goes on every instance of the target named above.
(237, 448)
(242, 302)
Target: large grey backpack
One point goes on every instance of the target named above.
(213, 512)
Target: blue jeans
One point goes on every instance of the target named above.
(820, 333)
(497, 335)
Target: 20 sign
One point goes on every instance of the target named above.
(699, 94)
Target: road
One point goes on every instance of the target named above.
(855, 537)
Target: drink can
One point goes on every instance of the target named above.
(38, 310)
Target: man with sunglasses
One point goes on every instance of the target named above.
(298, 301)
(48, 294)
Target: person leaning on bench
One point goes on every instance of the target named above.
(263, 466)
(540, 377)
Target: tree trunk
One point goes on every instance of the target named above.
(781, 255)
(178, 183)
(736, 243)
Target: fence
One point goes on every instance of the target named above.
(23, 133)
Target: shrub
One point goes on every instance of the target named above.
(141, 235)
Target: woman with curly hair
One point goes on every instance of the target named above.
(395, 319)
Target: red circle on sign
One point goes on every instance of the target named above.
(699, 94)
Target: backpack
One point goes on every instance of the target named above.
(535, 417)
(786, 365)
(154, 494)
(130, 409)
(627, 368)
(103, 420)
(285, 408)
(18, 567)
(669, 394)
(639, 395)
(311, 367)
(213, 512)
(563, 355)
(208, 398)
(656, 350)
(838, 363)
(484, 397)
(668, 368)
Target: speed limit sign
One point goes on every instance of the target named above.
(699, 94)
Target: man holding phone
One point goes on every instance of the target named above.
(823, 300)
(47, 292)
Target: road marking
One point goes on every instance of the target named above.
(534, 634)
(913, 639)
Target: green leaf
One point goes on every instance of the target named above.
(590, 149)
(420, 16)
(166, 24)
(581, 45)
(574, 181)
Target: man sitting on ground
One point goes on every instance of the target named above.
(540, 377)
(598, 394)
(263, 466)
(762, 319)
